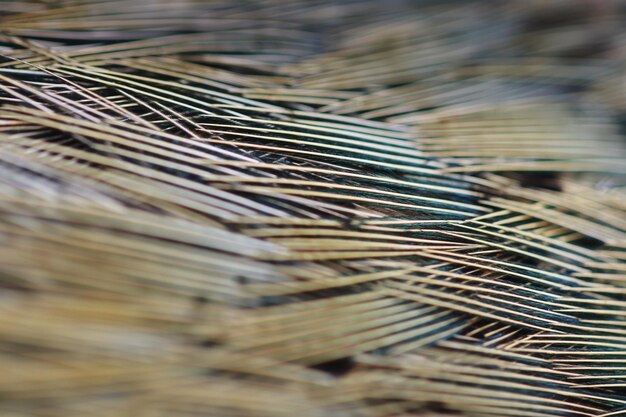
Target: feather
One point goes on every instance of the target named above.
(312, 208)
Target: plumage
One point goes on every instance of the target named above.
(312, 208)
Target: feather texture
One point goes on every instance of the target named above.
(311, 208)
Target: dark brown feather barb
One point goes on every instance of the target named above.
(312, 208)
